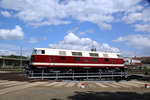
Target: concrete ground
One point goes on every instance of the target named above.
(14, 86)
(51, 93)
(18, 90)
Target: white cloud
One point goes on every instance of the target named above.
(76, 30)
(44, 38)
(71, 41)
(138, 16)
(9, 49)
(142, 27)
(8, 46)
(81, 33)
(127, 53)
(32, 40)
(49, 22)
(73, 30)
(89, 31)
(5, 13)
(45, 12)
(7, 52)
(140, 42)
(15, 52)
(13, 34)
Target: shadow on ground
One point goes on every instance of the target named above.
(108, 96)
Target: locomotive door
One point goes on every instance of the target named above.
(54, 61)
(114, 62)
(51, 61)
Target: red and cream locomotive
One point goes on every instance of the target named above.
(68, 61)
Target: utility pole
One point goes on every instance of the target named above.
(3, 60)
(21, 57)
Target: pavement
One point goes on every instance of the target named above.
(73, 90)
(11, 86)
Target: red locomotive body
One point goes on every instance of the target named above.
(58, 63)
(51, 58)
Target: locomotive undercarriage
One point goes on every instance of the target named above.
(76, 73)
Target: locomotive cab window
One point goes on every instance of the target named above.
(34, 52)
(39, 52)
(42, 51)
(119, 56)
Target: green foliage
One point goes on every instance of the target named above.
(14, 56)
(13, 62)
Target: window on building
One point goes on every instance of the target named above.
(94, 59)
(94, 54)
(62, 58)
(77, 58)
(62, 53)
(105, 55)
(77, 53)
(106, 60)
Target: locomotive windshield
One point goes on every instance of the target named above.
(119, 56)
(39, 52)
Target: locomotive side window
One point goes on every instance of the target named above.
(86, 60)
(62, 53)
(94, 54)
(62, 58)
(106, 59)
(77, 53)
(94, 59)
(77, 58)
(105, 55)
(39, 52)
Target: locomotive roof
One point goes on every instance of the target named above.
(50, 51)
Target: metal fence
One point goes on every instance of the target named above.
(74, 75)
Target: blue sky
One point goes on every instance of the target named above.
(112, 25)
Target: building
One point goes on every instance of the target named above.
(137, 61)
(145, 61)
(132, 62)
